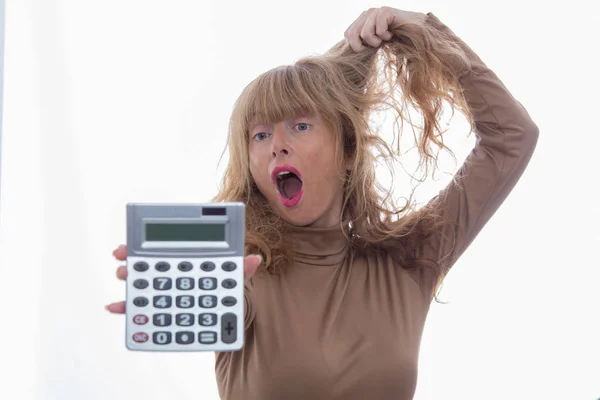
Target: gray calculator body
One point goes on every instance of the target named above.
(185, 277)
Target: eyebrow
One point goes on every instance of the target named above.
(258, 123)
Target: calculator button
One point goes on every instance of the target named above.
(162, 319)
(207, 283)
(228, 328)
(163, 283)
(184, 337)
(229, 301)
(161, 337)
(140, 284)
(162, 301)
(207, 319)
(184, 283)
(184, 301)
(141, 266)
(184, 319)
(207, 266)
(185, 266)
(162, 266)
(229, 283)
(207, 337)
(207, 301)
(229, 266)
(140, 319)
(140, 302)
(140, 337)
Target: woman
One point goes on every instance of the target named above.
(346, 278)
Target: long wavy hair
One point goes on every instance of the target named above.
(419, 68)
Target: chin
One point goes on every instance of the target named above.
(300, 223)
(296, 216)
(305, 217)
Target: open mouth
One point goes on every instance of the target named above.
(289, 184)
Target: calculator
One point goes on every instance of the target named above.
(185, 277)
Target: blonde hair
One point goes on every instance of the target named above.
(419, 67)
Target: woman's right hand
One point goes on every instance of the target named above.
(251, 263)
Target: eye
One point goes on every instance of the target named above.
(260, 136)
(302, 126)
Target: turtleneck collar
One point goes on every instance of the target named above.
(318, 246)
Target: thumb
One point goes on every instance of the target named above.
(251, 264)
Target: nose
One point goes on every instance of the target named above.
(281, 151)
(279, 144)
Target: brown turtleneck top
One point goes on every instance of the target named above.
(345, 325)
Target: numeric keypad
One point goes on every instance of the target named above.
(184, 302)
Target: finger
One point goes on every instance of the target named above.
(367, 32)
(116, 308)
(353, 33)
(251, 264)
(353, 25)
(122, 272)
(120, 253)
(383, 23)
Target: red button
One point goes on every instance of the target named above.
(140, 319)
(140, 337)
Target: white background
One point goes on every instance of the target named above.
(109, 102)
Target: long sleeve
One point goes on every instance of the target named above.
(505, 140)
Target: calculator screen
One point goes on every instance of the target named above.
(190, 232)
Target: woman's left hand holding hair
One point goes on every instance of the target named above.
(374, 26)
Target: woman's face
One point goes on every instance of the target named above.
(293, 165)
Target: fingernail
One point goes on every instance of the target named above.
(260, 259)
